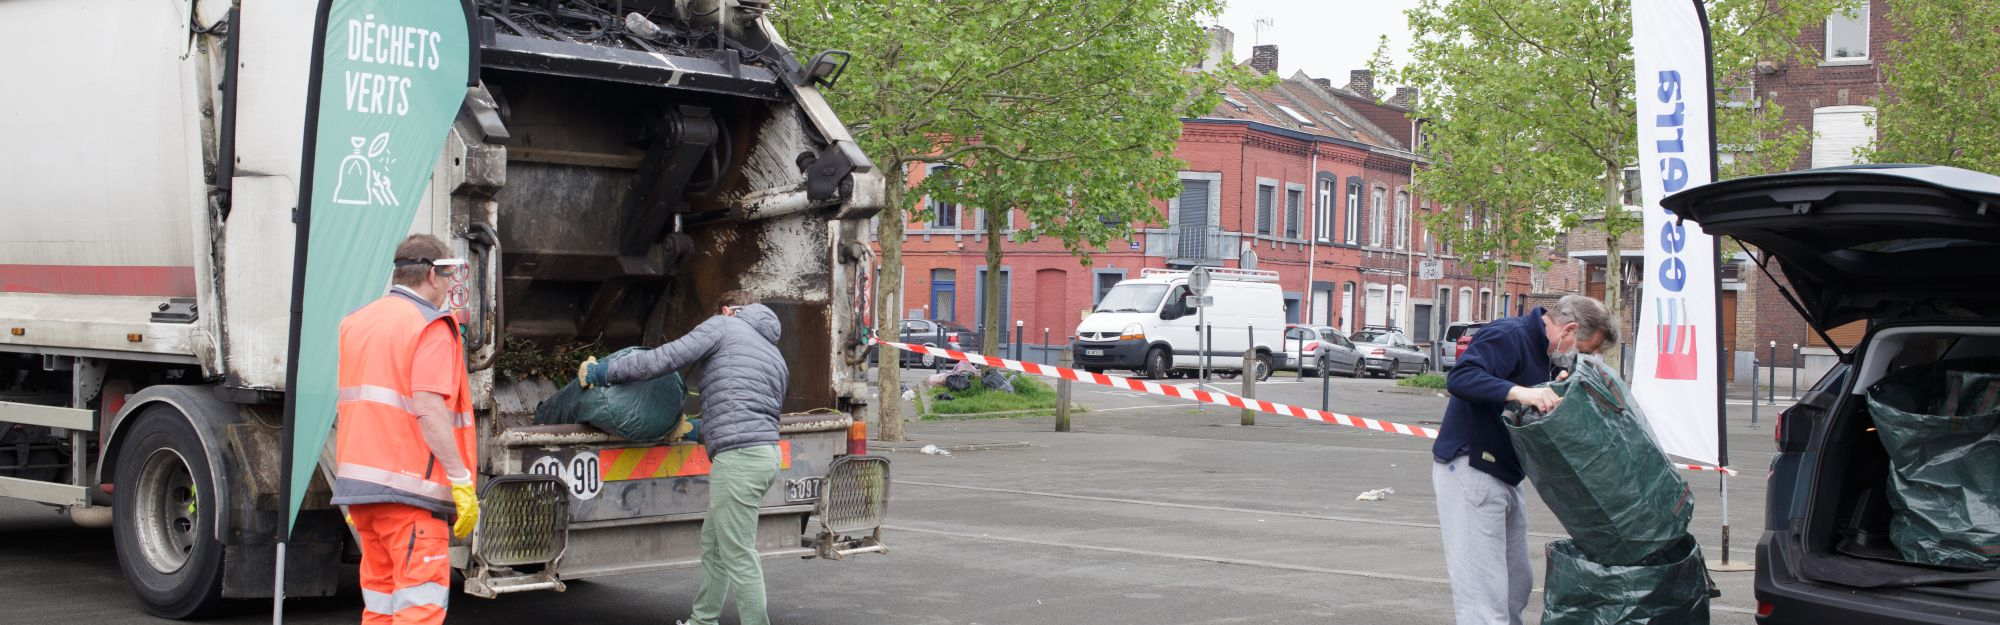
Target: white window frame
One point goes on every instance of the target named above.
(1378, 214)
(1861, 17)
(1265, 216)
(1323, 210)
(1403, 220)
(1294, 227)
(1353, 212)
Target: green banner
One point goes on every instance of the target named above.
(392, 78)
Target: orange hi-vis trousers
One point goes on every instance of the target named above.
(405, 564)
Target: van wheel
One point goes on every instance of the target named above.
(1156, 364)
(1263, 367)
(163, 517)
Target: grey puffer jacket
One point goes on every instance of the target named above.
(743, 376)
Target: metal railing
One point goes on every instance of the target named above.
(1198, 245)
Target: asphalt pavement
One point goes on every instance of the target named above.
(1149, 513)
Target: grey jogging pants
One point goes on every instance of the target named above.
(1485, 526)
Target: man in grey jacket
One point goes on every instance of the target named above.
(742, 384)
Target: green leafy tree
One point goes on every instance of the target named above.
(1066, 110)
(1940, 96)
(1530, 121)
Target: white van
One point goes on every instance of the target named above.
(1147, 324)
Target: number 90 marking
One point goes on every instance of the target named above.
(581, 474)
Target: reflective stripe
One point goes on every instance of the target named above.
(406, 483)
(389, 397)
(429, 593)
(377, 394)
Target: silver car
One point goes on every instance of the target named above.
(1314, 347)
(1388, 352)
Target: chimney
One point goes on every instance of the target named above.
(1406, 97)
(1264, 59)
(1323, 83)
(1220, 43)
(1361, 81)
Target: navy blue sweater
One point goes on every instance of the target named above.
(1506, 353)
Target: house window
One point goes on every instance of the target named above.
(944, 215)
(1632, 188)
(1353, 212)
(1323, 212)
(1402, 220)
(1378, 217)
(1264, 193)
(1293, 199)
(1840, 130)
(1847, 33)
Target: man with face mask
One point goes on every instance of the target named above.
(1476, 474)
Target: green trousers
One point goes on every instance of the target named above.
(737, 482)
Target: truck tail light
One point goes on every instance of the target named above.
(951, 337)
(857, 439)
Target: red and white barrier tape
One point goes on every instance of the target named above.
(1208, 397)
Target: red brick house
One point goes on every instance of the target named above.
(1301, 178)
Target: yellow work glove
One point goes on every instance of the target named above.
(468, 506)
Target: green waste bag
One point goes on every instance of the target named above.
(645, 411)
(1595, 464)
(1666, 588)
(1940, 424)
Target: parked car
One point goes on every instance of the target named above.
(1457, 337)
(1321, 347)
(1147, 324)
(934, 334)
(1389, 352)
(1909, 251)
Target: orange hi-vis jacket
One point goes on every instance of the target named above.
(380, 453)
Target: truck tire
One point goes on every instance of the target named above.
(164, 516)
(1263, 367)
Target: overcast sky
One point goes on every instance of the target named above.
(1326, 38)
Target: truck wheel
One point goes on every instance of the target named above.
(1156, 364)
(164, 516)
(1263, 367)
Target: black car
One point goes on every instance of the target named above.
(934, 334)
(1911, 251)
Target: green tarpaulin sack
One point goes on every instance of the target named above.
(1940, 424)
(645, 411)
(1668, 588)
(1597, 467)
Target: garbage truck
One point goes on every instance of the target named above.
(615, 167)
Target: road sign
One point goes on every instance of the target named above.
(1201, 301)
(1198, 280)
(1432, 269)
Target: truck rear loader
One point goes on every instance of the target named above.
(615, 167)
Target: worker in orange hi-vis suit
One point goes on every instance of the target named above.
(405, 438)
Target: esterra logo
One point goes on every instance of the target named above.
(1677, 339)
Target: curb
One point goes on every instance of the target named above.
(911, 447)
(1411, 390)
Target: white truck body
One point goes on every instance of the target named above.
(149, 190)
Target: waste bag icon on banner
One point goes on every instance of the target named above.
(361, 183)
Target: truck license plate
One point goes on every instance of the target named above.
(1093, 352)
(804, 490)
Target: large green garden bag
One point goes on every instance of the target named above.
(1940, 424)
(1667, 588)
(1596, 466)
(645, 411)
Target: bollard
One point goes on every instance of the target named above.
(1302, 355)
(1019, 326)
(1753, 398)
(1208, 354)
(1250, 382)
(1062, 391)
(938, 363)
(1325, 391)
(1796, 366)
(1771, 388)
(1045, 346)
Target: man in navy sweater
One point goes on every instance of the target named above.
(1476, 475)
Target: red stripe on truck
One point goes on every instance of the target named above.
(98, 280)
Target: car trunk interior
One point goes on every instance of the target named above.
(1847, 524)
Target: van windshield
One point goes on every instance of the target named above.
(1133, 298)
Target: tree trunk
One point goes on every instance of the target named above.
(888, 313)
(1614, 264)
(996, 328)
